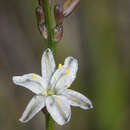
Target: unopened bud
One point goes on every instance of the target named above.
(58, 12)
(58, 33)
(40, 15)
(69, 6)
(43, 31)
(50, 2)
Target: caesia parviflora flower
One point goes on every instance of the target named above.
(52, 89)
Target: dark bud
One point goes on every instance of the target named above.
(50, 2)
(40, 15)
(58, 33)
(69, 6)
(58, 13)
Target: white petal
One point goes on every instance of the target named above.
(34, 106)
(60, 79)
(48, 64)
(77, 99)
(60, 111)
(31, 81)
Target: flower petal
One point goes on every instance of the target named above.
(65, 75)
(34, 106)
(48, 64)
(31, 81)
(77, 99)
(59, 109)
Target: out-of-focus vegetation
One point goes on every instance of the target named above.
(97, 34)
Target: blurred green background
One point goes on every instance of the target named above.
(98, 34)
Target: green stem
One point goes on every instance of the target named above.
(49, 122)
(52, 46)
(48, 23)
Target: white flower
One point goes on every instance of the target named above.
(52, 89)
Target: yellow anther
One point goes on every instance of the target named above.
(43, 92)
(58, 101)
(68, 85)
(34, 76)
(60, 65)
(67, 71)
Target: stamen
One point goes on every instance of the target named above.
(67, 71)
(58, 101)
(60, 65)
(51, 92)
(34, 76)
(68, 85)
(43, 92)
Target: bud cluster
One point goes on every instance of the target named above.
(60, 12)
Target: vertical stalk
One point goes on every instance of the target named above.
(48, 23)
(52, 46)
(49, 122)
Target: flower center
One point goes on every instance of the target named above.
(51, 92)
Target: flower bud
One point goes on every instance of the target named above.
(40, 15)
(50, 2)
(69, 6)
(43, 30)
(58, 13)
(58, 33)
